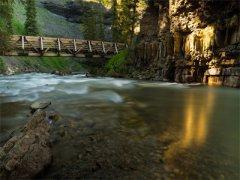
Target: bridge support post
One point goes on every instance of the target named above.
(23, 42)
(41, 43)
(103, 48)
(74, 45)
(59, 45)
(116, 48)
(89, 46)
(41, 46)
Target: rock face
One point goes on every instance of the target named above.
(223, 76)
(27, 154)
(181, 39)
(76, 11)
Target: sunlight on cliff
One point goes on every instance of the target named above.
(200, 40)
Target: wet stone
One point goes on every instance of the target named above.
(27, 154)
(42, 104)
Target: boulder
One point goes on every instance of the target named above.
(28, 153)
(42, 104)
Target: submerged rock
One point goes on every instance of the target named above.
(28, 153)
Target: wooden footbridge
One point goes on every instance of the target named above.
(50, 46)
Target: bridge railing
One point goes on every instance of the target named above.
(49, 46)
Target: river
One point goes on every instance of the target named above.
(117, 128)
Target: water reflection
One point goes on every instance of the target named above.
(183, 154)
(197, 119)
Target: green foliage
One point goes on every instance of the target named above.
(5, 25)
(54, 63)
(18, 27)
(90, 26)
(93, 25)
(126, 18)
(31, 14)
(60, 64)
(115, 24)
(117, 64)
(106, 3)
(49, 64)
(1, 65)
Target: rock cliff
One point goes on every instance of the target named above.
(191, 41)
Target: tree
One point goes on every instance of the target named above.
(5, 25)
(115, 24)
(125, 19)
(128, 19)
(31, 14)
(101, 31)
(93, 24)
(90, 25)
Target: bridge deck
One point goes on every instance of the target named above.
(49, 46)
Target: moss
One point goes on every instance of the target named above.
(117, 64)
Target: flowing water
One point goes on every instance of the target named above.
(116, 128)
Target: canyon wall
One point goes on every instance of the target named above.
(191, 41)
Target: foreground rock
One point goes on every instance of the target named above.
(27, 154)
(42, 104)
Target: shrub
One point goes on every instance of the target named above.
(117, 64)
(18, 27)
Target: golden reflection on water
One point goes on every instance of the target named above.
(197, 120)
(197, 114)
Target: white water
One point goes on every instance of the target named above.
(30, 87)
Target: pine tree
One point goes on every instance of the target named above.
(90, 26)
(93, 24)
(5, 25)
(115, 24)
(125, 20)
(101, 31)
(31, 14)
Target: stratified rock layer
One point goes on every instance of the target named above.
(181, 39)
